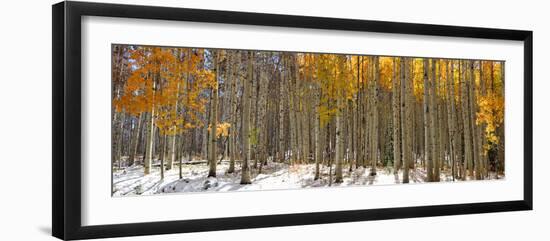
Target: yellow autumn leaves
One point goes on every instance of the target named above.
(491, 113)
(222, 129)
(171, 83)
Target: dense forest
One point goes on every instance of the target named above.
(195, 119)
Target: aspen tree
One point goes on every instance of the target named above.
(427, 122)
(374, 111)
(235, 61)
(396, 117)
(475, 127)
(245, 171)
(405, 117)
(214, 120)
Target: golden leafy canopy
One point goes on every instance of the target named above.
(167, 82)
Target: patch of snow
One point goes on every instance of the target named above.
(132, 181)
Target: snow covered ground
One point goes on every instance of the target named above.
(132, 181)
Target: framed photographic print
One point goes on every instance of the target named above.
(169, 120)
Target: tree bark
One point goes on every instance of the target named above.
(466, 120)
(318, 135)
(475, 127)
(339, 151)
(374, 130)
(245, 172)
(500, 131)
(281, 116)
(233, 129)
(405, 118)
(163, 149)
(435, 122)
(396, 121)
(262, 122)
(214, 121)
(427, 122)
(451, 115)
(136, 136)
(150, 135)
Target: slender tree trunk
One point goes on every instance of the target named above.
(451, 113)
(396, 100)
(405, 118)
(245, 172)
(292, 112)
(117, 120)
(360, 115)
(433, 121)
(481, 129)
(233, 129)
(427, 123)
(436, 120)
(410, 115)
(163, 149)
(500, 130)
(318, 136)
(475, 127)
(120, 137)
(214, 122)
(150, 135)
(205, 133)
(172, 147)
(254, 116)
(442, 123)
(339, 151)
(459, 128)
(281, 132)
(368, 114)
(350, 135)
(298, 110)
(466, 120)
(305, 127)
(374, 132)
(136, 136)
(262, 122)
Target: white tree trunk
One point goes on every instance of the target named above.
(213, 123)
(374, 129)
(245, 172)
(396, 108)
(427, 126)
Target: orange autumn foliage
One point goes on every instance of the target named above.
(167, 82)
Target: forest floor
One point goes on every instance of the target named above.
(132, 181)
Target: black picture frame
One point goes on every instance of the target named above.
(66, 127)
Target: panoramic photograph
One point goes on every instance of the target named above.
(195, 120)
